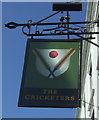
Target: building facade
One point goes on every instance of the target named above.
(90, 68)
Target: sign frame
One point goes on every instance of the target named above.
(49, 102)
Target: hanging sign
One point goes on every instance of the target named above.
(51, 74)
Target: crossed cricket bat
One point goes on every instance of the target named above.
(58, 65)
(36, 52)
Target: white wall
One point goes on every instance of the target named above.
(90, 93)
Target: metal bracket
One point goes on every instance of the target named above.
(57, 28)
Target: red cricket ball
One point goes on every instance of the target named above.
(53, 54)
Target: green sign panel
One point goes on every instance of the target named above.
(51, 74)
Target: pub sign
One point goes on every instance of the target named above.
(51, 74)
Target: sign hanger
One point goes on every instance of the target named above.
(60, 28)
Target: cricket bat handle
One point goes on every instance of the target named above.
(60, 63)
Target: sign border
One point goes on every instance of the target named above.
(25, 64)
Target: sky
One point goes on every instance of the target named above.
(13, 51)
(1, 61)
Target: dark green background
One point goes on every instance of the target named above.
(33, 79)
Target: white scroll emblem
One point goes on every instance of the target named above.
(52, 62)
